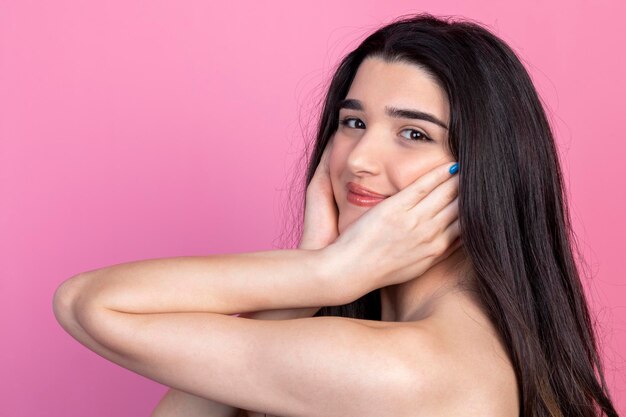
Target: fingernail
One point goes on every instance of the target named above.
(454, 168)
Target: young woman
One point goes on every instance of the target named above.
(413, 292)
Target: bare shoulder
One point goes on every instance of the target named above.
(476, 377)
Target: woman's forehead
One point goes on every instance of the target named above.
(378, 84)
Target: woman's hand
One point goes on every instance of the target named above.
(320, 213)
(402, 236)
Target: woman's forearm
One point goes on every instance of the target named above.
(176, 403)
(226, 284)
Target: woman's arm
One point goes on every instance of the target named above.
(175, 401)
(225, 284)
(171, 319)
(178, 403)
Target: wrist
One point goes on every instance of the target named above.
(336, 277)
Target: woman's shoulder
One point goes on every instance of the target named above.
(476, 371)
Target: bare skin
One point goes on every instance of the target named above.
(481, 380)
(434, 353)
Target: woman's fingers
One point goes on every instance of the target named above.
(320, 217)
(326, 156)
(322, 167)
(451, 238)
(447, 215)
(415, 192)
(446, 242)
(438, 200)
(322, 171)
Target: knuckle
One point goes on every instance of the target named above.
(421, 192)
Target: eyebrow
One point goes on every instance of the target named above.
(353, 104)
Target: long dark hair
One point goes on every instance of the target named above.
(513, 210)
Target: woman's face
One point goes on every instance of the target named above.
(384, 152)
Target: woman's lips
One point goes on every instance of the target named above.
(362, 200)
(361, 196)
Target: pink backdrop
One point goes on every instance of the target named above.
(129, 129)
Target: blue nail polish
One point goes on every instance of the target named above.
(454, 168)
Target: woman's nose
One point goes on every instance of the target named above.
(368, 154)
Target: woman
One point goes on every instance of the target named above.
(493, 323)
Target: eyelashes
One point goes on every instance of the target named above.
(422, 136)
(347, 120)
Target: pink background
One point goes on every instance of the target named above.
(130, 130)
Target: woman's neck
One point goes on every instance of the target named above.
(417, 299)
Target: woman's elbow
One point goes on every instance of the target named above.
(64, 298)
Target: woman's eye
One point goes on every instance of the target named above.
(417, 135)
(348, 120)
